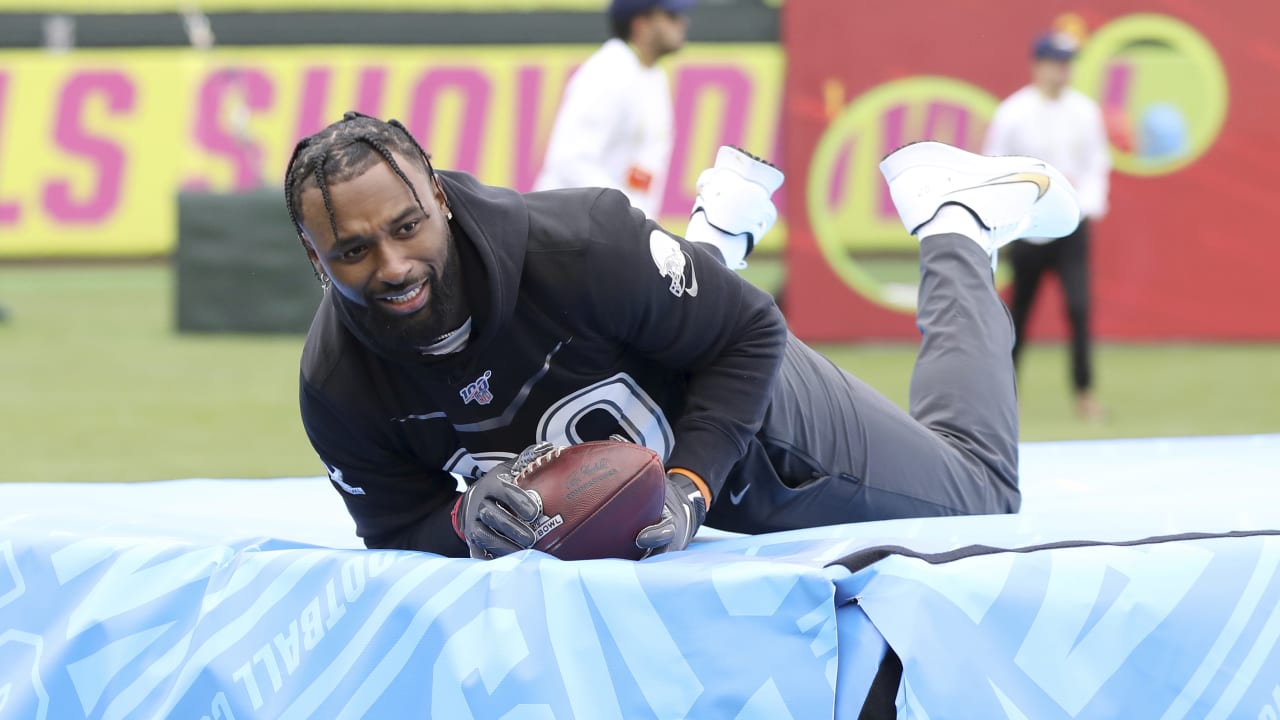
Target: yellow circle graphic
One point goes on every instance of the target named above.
(854, 221)
(1162, 88)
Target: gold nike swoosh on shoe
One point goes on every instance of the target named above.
(1040, 180)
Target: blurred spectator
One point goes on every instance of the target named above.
(1051, 121)
(615, 124)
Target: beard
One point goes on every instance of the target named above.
(443, 313)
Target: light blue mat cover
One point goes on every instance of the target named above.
(227, 599)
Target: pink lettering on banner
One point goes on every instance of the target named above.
(475, 89)
(373, 83)
(118, 91)
(10, 212)
(316, 84)
(690, 84)
(531, 140)
(528, 109)
(315, 96)
(948, 122)
(1116, 86)
(838, 183)
(893, 136)
(232, 92)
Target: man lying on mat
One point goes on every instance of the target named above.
(462, 322)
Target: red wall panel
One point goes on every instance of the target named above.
(1187, 250)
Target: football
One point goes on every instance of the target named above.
(596, 497)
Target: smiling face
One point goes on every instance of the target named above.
(395, 261)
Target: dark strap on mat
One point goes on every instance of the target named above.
(881, 698)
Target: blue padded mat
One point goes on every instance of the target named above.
(250, 598)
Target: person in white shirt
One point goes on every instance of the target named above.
(615, 123)
(1054, 122)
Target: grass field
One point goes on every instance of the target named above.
(96, 385)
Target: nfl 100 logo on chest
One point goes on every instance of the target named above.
(478, 391)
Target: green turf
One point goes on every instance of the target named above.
(1148, 390)
(95, 385)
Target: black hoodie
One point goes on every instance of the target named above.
(588, 320)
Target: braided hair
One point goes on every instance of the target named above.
(343, 151)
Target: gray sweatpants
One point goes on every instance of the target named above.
(833, 450)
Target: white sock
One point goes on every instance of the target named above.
(732, 247)
(954, 219)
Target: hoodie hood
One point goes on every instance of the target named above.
(491, 228)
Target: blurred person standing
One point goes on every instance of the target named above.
(615, 124)
(1054, 122)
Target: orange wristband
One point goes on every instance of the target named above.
(453, 517)
(697, 481)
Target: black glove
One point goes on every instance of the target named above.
(495, 516)
(683, 512)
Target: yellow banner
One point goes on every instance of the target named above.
(95, 145)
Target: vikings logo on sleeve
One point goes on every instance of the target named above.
(478, 390)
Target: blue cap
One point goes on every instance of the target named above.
(621, 9)
(1054, 46)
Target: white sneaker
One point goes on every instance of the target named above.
(734, 206)
(1014, 197)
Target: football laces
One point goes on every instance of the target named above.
(534, 457)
